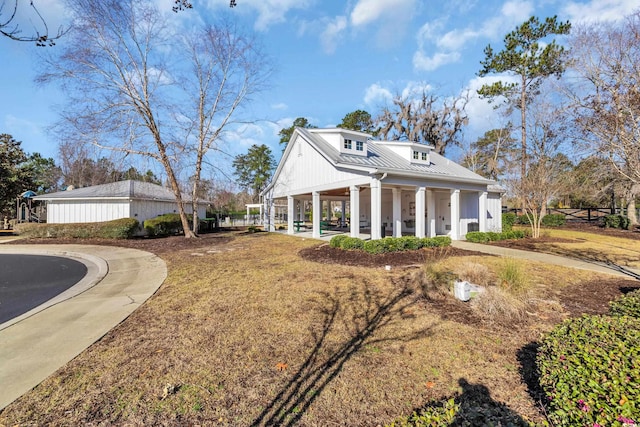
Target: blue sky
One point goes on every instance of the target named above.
(330, 57)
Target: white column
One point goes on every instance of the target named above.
(328, 210)
(343, 220)
(397, 212)
(316, 213)
(455, 214)
(431, 214)
(482, 211)
(354, 208)
(272, 216)
(246, 218)
(376, 208)
(300, 210)
(290, 213)
(420, 196)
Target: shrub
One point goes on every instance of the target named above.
(500, 306)
(553, 220)
(375, 246)
(436, 414)
(434, 281)
(337, 240)
(163, 225)
(626, 305)
(508, 219)
(616, 221)
(123, 228)
(409, 242)
(350, 243)
(435, 242)
(482, 237)
(589, 372)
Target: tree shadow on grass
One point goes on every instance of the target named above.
(599, 258)
(363, 312)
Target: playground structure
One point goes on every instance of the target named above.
(27, 210)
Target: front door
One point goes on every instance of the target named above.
(443, 216)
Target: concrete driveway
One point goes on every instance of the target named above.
(37, 343)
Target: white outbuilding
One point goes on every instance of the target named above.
(106, 202)
(403, 187)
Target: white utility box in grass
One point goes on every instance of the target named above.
(462, 290)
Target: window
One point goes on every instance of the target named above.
(415, 155)
(359, 146)
(347, 144)
(424, 156)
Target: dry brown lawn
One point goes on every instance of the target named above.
(245, 332)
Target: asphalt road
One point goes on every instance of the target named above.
(26, 281)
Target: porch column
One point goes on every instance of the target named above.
(431, 214)
(376, 208)
(316, 213)
(272, 216)
(246, 218)
(343, 220)
(300, 210)
(397, 212)
(290, 213)
(328, 210)
(420, 196)
(354, 208)
(455, 214)
(482, 211)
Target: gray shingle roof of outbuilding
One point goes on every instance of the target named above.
(116, 190)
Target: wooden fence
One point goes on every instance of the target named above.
(586, 214)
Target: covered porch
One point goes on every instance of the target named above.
(391, 209)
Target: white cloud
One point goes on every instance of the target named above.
(271, 12)
(332, 32)
(599, 10)
(430, 63)
(452, 42)
(482, 114)
(368, 11)
(279, 106)
(376, 94)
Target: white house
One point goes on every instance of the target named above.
(401, 186)
(106, 202)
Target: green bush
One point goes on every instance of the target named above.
(336, 241)
(435, 242)
(508, 219)
(437, 414)
(123, 228)
(163, 225)
(553, 220)
(350, 243)
(589, 371)
(626, 305)
(482, 237)
(409, 243)
(375, 246)
(616, 221)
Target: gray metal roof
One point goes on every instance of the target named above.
(383, 159)
(117, 190)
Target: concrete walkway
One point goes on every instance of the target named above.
(36, 344)
(595, 266)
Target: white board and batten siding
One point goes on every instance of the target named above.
(77, 211)
(307, 170)
(494, 215)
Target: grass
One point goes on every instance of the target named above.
(247, 333)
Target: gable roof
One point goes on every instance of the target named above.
(128, 189)
(380, 159)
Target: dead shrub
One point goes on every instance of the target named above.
(496, 305)
(475, 273)
(433, 281)
(512, 277)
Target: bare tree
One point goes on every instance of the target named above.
(549, 169)
(126, 89)
(606, 96)
(9, 26)
(430, 119)
(226, 69)
(487, 155)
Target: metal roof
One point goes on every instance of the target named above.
(128, 189)
(382, 159)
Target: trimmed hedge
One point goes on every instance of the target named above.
(486, 237)
(617, 221)
(626, 305)
(589, 371)
(388, 244)
(163, 225)
(549, 220)
(123, 228)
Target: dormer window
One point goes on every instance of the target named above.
(359, 146)
(347, 144)
(424, 156)
(416, 155)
